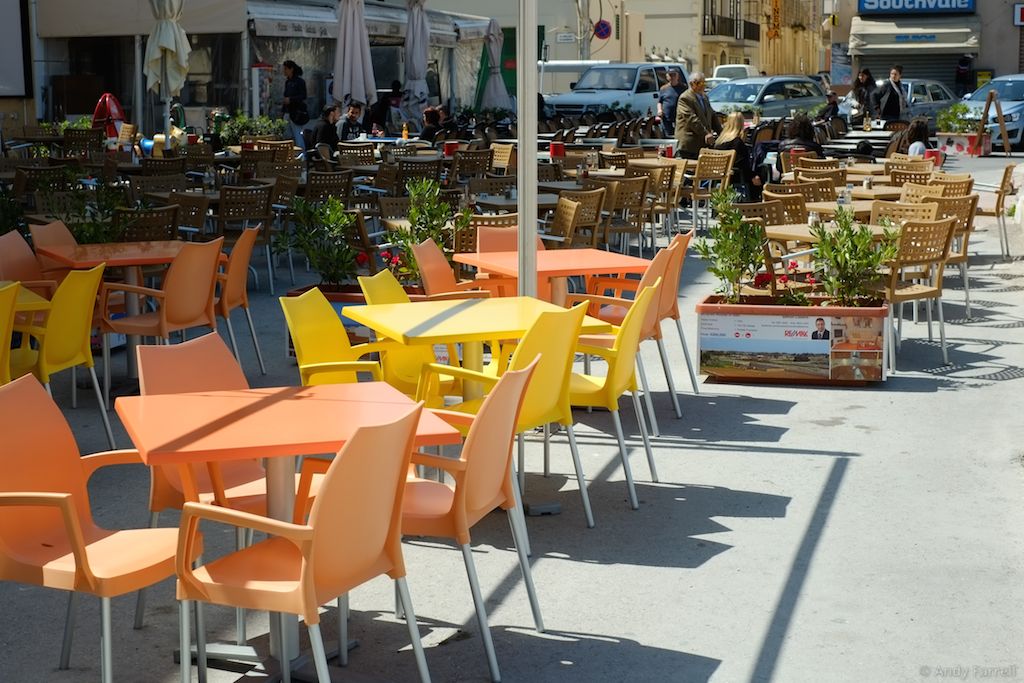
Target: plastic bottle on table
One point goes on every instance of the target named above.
(405, 131)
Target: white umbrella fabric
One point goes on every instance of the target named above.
(417, 40)
(167, 50)
(495, 95)
(353, 69)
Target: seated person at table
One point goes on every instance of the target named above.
(325, 132)
(431, 125)
(351, 127)
(800, 136)
(746, 182)
(917, 136)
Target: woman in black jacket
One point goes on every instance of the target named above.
(800, 136)
(294, 103)
(862, 92)
(743, 177)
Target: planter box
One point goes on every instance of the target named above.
(962, 144)
(762, 342)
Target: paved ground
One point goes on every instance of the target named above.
(798, 534)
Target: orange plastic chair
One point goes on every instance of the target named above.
(18, 262)
(186, 300)
(63, 340)
(353, 534)
(495, 238)
(603, 392)
(438, 276)
(483, 482)
(553, 336)
(322, 347)
(233, 291)
(54, 234)
(8, 300)
(613, 309)
(47, 534)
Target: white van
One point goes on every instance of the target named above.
(610, 86)
(734, 71)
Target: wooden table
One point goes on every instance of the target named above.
(861, 208)
(862, 168)
(499, 204)
(877, 191)
(801, 232)
(165, 197)
(276, 423)
(467, 321)
(117, 255)
(557, 186)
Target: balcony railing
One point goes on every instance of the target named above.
(718, 25)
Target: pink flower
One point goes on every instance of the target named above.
(395, 261)
(386, 255)
(811, 280)
(783, 279)
(762, 279)
(362, 258)
(793, 265)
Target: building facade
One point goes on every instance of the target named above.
(791, 40)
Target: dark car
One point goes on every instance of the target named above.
(773, 96)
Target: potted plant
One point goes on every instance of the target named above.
(958, 132)
(430, 217)
(834, 334)
(232, 130)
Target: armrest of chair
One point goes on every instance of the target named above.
(460, 294)
(44, 288)
(313, 369)
(434, 369)
(109, 287)
(127, 456)
(191, 513)
(310, 466)
(598, 284)
(602, 351)
(66, 504)
(597, 299)
(439, 462)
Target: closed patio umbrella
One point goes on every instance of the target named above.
(353, 70)
(167, 51)
(495, 95)
(417, 38)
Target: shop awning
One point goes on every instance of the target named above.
(75, 19)
(937, 35)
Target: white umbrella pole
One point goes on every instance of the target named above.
(526, 96)
(167, 102)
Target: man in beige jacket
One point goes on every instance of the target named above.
(696, 123)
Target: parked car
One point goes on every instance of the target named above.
(712, 82)
(823, 79)
(775, 96)
(927, 99)
(1010, 90)
(731, 72)
(609, 86)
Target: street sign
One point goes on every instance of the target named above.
(565, 37)
(1018, 14)
(603, 29)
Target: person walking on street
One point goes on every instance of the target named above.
(890, 100)
(668, 98)
(293, 106)
(697, 124)
(863, 91)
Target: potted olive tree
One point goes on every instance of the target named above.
(835, 334)
(430, 217)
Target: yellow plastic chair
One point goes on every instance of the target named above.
(603, 392)
(64, 339)
(613, 309)
(48, 537)
(8, 300)
(322, 348)
(553, 337)
(354, 533)
(401, 364)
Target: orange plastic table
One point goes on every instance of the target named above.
(276, 423)
(118, 255)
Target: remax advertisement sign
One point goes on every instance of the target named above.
(915, 6)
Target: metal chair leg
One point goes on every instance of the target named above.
(580, 479)
(103, 408)
(624, 455)
(644, 436)
(524, 566)
(270, 269)
(231, 338)
(106, 371)
(106, 646)
(343, 629)
(520, 515)
(200, 642)
(184, 640)
(521, 445)
(69, 631)
(481, 613)
(967, 289)
(942, 334)
(255, 340)
(686, 356)
(647, 394)
(414, 632)
(547, 450)
(140, 599)
(668, 378)
(316, 642)
(240, 638)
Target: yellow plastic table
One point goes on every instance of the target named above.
(469, 321)
(27, 301)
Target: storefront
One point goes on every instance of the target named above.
(927, 37)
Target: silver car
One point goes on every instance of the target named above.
(774, 96)
(926, 98)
